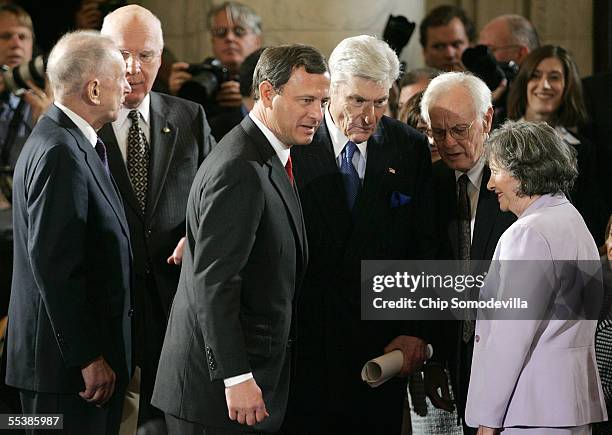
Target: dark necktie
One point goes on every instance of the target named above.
(350, 177)
(138, 159)
(101, 150)
(465, 244)
(289, 170)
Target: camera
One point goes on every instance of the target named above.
(397, 32)
(480, 61)
(206, 78)
(34, 70)
(108, 6)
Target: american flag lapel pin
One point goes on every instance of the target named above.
(391, 171)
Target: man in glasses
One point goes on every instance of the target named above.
(509, 37)
(457, 107)
(154, 150)
(235, 33)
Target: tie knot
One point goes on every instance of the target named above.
(350, 149)
(463, 180)
(134, 116)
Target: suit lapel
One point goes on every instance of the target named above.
(92, 160)
(163, 143)
(280, 181)
(118, 168)
(488, 208)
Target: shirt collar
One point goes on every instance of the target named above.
(282, 150)
(144, 108)
(86, 129)
(339, 139)
(474, 174)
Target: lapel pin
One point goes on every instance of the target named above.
(391, 170)
(166, 130)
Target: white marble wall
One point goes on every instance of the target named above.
(322, 23)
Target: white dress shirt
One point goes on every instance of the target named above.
(86, 129)
(122, 125)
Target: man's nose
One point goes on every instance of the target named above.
(368, 113)
(132, 65)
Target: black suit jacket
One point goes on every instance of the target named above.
(245, 253)
(179, 140)
(70, 296)
(490, 223)
(333, 343)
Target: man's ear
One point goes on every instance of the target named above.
(523, 51)
(93, 91)
(266, 93)
(488, 120)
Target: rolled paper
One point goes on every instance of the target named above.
(379, 370)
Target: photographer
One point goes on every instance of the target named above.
(236, 33)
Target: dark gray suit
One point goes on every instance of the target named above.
(70, 296)
(244, 257)
(179, 140)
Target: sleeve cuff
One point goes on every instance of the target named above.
(234, 380)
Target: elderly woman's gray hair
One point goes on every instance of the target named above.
(77, 58)
(534, 154)
(444, 83)
(366, 57)
(239, 13)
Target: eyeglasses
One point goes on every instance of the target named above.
(459, 132)
(143, 57)
(221, 32)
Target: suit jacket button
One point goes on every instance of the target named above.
(477, 338)
(289, 343)
(148, 233)
(131, 312)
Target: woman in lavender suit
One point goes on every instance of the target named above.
(537, 376)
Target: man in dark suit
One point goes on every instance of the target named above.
(227, 352)
(348, 178)
(155, 148)
(457, 107)
(69, 338)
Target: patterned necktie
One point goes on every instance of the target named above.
(101, 150)
(465, 244)
(352, 183)
(289, 170)
(138, 159)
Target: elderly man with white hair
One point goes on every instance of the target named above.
(365, 187)
(457, 107)
(69, 341)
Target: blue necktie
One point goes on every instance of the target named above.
(349, 174)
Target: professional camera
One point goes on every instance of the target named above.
(34, 70)
(397, 32)
(480, 61)
(205, 81)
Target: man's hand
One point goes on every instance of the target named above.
(88, 16)
(178, 76)
(38, 99)
(484, 430)
(229, 94)
(414, 350)
(436, 387)
(99, 381)
(245, 403)
(177, 254)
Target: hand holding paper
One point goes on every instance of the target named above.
(379, 370)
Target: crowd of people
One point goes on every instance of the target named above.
(190, 262)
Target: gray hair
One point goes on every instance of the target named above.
(444, 83)
(77, 57)
(522, 31)
(416, 75)
(366, 57)
(534, 154)
(238, 12)
(125, 14)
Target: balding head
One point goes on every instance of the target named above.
(510, 37)
(138, 34)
